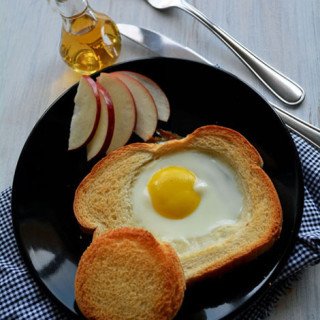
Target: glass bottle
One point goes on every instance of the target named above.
(90, 41)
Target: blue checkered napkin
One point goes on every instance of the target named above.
(22, 299)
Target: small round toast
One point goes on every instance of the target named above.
(127, 274)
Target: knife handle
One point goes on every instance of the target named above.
(302, 128)
(281, 86)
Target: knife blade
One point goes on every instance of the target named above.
(166, 47)
(158, 43)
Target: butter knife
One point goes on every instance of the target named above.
(164, 46)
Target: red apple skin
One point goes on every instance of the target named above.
(146, 110)
(88, 136)
(104, 132)
(111, 117)
(160, 98)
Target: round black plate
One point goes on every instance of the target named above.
(47, 176)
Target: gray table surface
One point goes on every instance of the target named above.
(285, 33)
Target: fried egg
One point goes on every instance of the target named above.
(186, 194)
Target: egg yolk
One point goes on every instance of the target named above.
(172, 193)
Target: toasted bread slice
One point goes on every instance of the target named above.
(127, 274)
(103, 199)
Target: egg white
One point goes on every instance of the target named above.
(221, 198)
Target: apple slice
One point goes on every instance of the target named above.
(159, 97)
(147, 115)
(124, 110)
(104, 132)
(86, 113)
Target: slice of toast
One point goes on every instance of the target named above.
(103, 199)
(127, 274)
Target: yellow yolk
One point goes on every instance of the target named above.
(172, 192)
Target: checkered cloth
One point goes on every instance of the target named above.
(21, 298)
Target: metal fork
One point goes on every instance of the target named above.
(281, 86)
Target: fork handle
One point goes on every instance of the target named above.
(281, 86)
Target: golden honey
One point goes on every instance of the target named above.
(89, 42)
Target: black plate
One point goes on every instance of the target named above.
(47, 175)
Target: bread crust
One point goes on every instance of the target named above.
(102, 199)
(127, 274)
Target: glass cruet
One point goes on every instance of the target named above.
(90, 40)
